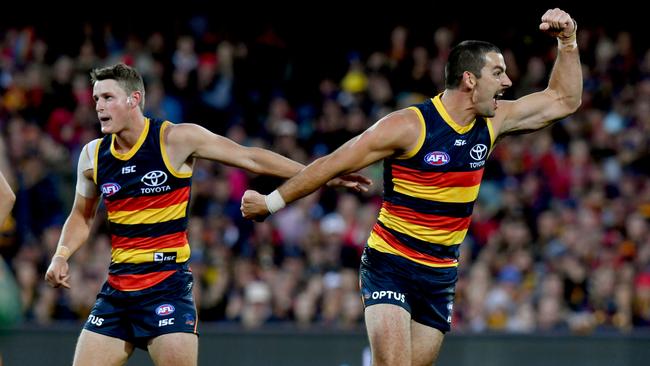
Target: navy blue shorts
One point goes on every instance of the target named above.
(138, 316)
(427, 293)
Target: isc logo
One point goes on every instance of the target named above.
(164, 257)
(128, 169)
(436, 158)
(165, 322)
(165, 309)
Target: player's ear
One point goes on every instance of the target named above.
(469, 79)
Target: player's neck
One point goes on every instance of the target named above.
(459, 106)
(128, 137)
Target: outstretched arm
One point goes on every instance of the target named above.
(563, 94)
(188, 141)
(393, 135)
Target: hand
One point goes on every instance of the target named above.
(558, 23)
(253, 206)
(354, 181)
(57, 273)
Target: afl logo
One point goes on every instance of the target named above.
(109, 189)
(154, 178)
(436, 158)
(478, 152)
(165, 309)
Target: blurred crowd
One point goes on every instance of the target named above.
(559, 241)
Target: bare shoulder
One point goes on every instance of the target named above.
(87, 154)
(182, 133)
(403, 121)
(399, 130)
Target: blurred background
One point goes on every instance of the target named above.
(559, 245)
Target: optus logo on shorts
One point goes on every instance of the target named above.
(95, 320)
(391, 295)
(165, 309)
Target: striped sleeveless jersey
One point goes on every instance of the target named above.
(429, 193)
(147, 204)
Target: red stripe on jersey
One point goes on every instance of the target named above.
(438, 179)
(135, 282)
(143, 202)
(433, 222)
(393, 242)
(161, 242)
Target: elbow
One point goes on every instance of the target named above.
(255, 168)
(573, 104)
(563, 103)
(252, 161)
(568, 106)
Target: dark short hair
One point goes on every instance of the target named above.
(127, 77)
(466, 56)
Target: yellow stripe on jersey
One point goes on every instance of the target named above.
(129, 154)
(450, 121)
(439, 194)
(377, 243)
(135, 256)
(442, 237)
(423, 134)
(95, 160)
(163, 152)
(149, 215)
(490, 127)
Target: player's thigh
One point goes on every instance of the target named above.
(100, 350)
(175, 349)
(389, 332)
(425, 344)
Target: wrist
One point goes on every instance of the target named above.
(63, 252)
(274, 202)
(568, 41)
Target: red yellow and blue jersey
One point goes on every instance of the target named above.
(429, 192)
(147, 204)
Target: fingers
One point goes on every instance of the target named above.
(556, 20)
(253, 206)
(56, 281)
(357, 186)
(57, 274)
(50, 280)
(62, 281)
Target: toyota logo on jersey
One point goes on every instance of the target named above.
(154, 178)
(478, 152)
